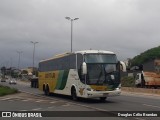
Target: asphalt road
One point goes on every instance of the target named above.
(36, 101)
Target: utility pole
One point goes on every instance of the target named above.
(34, 43)
(71, 19)
(19, 54)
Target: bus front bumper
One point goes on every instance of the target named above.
(94, 94)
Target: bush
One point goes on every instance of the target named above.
(128, 81)
(4, 90)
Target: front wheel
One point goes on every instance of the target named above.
(103, 99)
(73, 94)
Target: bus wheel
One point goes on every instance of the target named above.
(103, 99)
(44, 88)
(73, 94)
(47, 91)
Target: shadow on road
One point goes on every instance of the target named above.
(80, 100)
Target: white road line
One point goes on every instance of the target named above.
(25, 100)
(39, 100)
(90, 107)
(140, 119)
(151, 105)
(53, 102)
(5, 98)
(22, 110)
(37, 109)
(66, 105)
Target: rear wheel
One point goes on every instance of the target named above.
(47, 92)
(74, 94)
(44, 89)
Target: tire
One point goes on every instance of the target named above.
(74, 94)
(31, 84)
(34, 84)
(47, 92)
(103, 99)
(43, 88)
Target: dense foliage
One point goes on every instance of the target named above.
(127, 81)
(145, 56)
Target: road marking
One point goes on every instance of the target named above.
(39, 100)
(53, 102)
(37, 109)
(66, 105)
(90, 107)
(25, 100)
(72, 103)
(151, 105)
(5, 98)
(23, 110)
(139, 119)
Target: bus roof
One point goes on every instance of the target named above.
(94, 51)
(81, 52)
(57, 56)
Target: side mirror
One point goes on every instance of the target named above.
(84, 68)
(122, 66)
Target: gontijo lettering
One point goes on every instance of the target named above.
(50, 75)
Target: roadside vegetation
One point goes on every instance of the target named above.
(127, 81)
(4, 90)
(145, 56)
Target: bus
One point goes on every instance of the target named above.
(85, 74)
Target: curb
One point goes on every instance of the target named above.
(141, 90)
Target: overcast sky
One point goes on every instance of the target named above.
(126, 27)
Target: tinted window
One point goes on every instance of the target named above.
(100, 58)
(63, 63)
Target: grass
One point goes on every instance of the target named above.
(4, 90)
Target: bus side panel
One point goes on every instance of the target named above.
(60, 76)
(69, 78)
(40, 80)
(53, 81)
(62, 79)
(49, 78)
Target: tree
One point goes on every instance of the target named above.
(3, 71)
(150, 54)
(25, 72)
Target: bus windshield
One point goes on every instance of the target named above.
(100, 58)
(102, 74)
(102, 69)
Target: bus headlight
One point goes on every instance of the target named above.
(89, 89)
(117, 89)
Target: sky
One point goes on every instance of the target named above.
(126, 27)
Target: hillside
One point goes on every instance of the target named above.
(145, 56)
